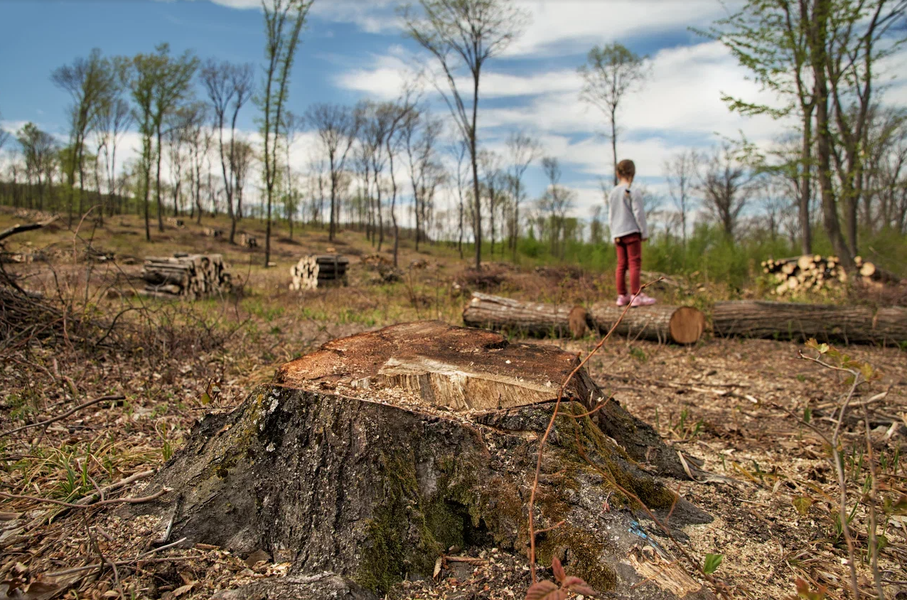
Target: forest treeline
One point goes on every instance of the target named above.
(835, 182)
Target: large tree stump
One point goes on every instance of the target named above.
(372, 456)
(850, 324)
(659, 322)
(527, 318)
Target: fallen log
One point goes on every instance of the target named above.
(785, 320)
(527, 318)
(374, 455)
(659, 322)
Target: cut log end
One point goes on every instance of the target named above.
(687, 325)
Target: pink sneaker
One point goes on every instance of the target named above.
(642, 300)
(623, 299)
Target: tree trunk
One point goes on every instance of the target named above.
(614, 141)
(374, 455)
(806, 239)
(527, 318)
(157, 185)
(475, 173)
(824, 322)
(659, 323)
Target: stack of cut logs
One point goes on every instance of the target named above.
(313, 272)
(188, 276)
(815, 273)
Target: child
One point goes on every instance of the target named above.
(628, 228)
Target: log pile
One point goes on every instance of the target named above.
(189, 276)
(249, 241)
(786, 320)
(312, 272)
(816, 272)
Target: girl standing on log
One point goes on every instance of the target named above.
(629, 230)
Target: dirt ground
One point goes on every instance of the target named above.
(738, 405)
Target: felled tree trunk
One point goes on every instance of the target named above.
(659, 322)
(372, 456)
(784, 320)
(527, 318)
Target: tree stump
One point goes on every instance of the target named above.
(374, 455)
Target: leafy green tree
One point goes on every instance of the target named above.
(40, 151)
(464, 35)
(821, 58)
(158, 83)
(284, 20)
(89, 82)
(610, 73)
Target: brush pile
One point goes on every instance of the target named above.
(312, 272)
(189, 276)
(817, 273)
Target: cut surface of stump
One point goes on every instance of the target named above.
(374, 455)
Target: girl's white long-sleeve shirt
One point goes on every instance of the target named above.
(626, 213)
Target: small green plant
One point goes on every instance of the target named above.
(638, 354)
(711, 563)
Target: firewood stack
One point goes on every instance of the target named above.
(816, 273)
(189, 276)
(312, 272)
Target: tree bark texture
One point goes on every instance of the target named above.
(657, 323)
(850, 324)
(528, 318)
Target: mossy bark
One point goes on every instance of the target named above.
(376, 492)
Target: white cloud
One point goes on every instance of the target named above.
(570, 26)
(371, 16)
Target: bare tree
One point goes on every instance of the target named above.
(228, 87)
(200, 138)
(284, 20)
(114, 119)
(493, 174)
(420, 134)
(465, 34)
(610, 73)
(556, 202)
(243, 157)
(337, 128)
(4, 135)
(460, 150)
(726, 186)
(681, 175)
(294, 124)
(522, 150)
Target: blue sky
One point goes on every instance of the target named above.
(354, 49)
